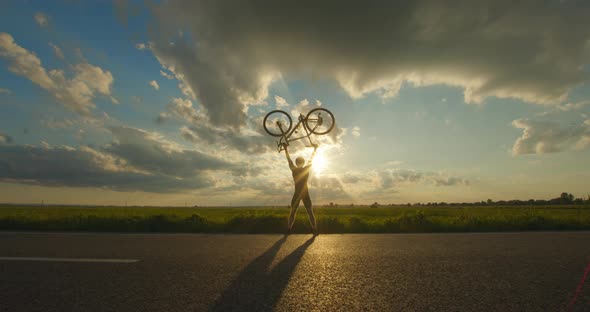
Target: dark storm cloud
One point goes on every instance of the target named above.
(137, 160)
(529, 50)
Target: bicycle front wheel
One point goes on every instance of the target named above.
(277, 123)
(320, 121)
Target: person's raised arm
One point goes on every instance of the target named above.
(291, 165)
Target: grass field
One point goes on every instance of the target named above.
(273, 220)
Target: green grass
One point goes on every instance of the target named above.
(273, 220)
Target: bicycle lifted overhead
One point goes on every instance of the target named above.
(278, 123)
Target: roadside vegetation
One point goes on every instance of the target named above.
(341, 219)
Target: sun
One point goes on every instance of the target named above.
(320, 163)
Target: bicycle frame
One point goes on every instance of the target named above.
(286, 138)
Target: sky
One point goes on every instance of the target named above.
(161, 102)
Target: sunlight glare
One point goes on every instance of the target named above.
(320, 163)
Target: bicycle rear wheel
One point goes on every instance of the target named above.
(277, 123)
(320, 121)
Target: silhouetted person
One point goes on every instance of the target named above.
(300, 176)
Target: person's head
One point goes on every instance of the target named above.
(299, 161)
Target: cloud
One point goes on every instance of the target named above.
(5, 138)
(227, 138)
(394, 163)
(151, 152)
(303, 107)
(184, 109)
(76, 94)
(136, 160)
(42, 19)
(383, 181)
(539, 137)
(333, 138)
(444, 180)
(354, 178)
(356, 132)
(567, 107)
(5, 91)
(373, 47)
(572, 106)
(223, 95)
(24, 63)
(65, 123)
(141, 46)
(167, 75)
(200, 130)
(390, 178)
(161, 118)
(280, 102)
(57, 51)
(83, 167)
(328, 187)
(247, 139)
(154, 84)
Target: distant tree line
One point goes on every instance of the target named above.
(563, 199)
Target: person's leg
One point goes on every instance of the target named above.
(309, 208)
(294, 205)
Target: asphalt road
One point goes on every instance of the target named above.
(396, 272)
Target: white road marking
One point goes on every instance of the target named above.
(46, 259)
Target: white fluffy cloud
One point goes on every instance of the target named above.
(184, 109)
(533, 51)
(154, 85)
(280, 102)
(302, 108)
(76, 94)
(539, 137)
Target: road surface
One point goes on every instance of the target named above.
(197, 272)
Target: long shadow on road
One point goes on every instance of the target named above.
(256, 289)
